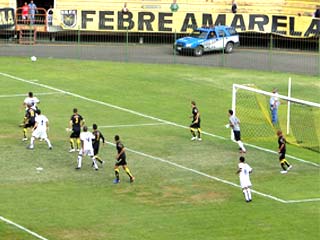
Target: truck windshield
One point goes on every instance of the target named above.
(198, 34)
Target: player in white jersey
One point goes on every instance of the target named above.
(244, 171)
(31, 100)
(234, 123)
(86, 148)
(40, 130)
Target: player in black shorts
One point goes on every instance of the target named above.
(96, 142)
(121, 161)
(75, 123)
(282, 152)
(29, 120)
(195, 125)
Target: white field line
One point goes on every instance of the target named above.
(145, 116)
(132, 125)
(22, 228)
(25, 95)
(304, 200)
(199, 173)
(216, 178)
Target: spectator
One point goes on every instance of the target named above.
(25, 12)
(174, 6)
(274, 105)
(32, 11)
(234, 7)
(125, 8)
(50, 15)
(316, 14)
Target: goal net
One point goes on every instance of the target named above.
(296, 118)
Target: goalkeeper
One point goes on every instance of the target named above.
(234, 123)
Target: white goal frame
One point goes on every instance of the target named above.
(235, 88)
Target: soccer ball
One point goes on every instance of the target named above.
(33, 58)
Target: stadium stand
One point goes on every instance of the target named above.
(287, 7)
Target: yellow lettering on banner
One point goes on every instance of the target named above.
(184, 22)
(6, 17)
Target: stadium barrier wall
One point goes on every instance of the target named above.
(257, 51)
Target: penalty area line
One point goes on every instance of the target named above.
(25, 95)
(144, 115)
(22, 228)
(200, 173)
(216, 178)
(133, 125)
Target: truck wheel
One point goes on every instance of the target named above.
(229, 47)
(198, 51)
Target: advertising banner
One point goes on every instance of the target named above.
(184, 22)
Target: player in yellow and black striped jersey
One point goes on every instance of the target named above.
(282, 152)
(121, 160)
(75, 123)
(96, 142)
(195, 125)
(29, 120)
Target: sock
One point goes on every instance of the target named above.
(128, 172)
(78, 143)
(94, 162)
(245, 194)
(286, 163)
(241, 146)
(79, 161)
(249, 193)
(116, 172)
(98, 158)
(32, 142)
(71, 143)
(192, 132)
(283, 166)
(24, 132)
(48, 142)
(199, 133)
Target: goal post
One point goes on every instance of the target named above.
(298, 118)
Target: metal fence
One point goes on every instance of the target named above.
(257, 51)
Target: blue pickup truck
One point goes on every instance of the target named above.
(206, 39)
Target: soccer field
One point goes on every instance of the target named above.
(183, 190)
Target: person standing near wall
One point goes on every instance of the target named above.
(25, 12)
(32, 11)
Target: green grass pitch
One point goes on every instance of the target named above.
(183, 190)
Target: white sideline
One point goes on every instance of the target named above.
(144, 115)
(25, 95)
(132, 125)
(22, 228)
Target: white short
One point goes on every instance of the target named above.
(86, 152)
(38, 133)
(245, 182)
